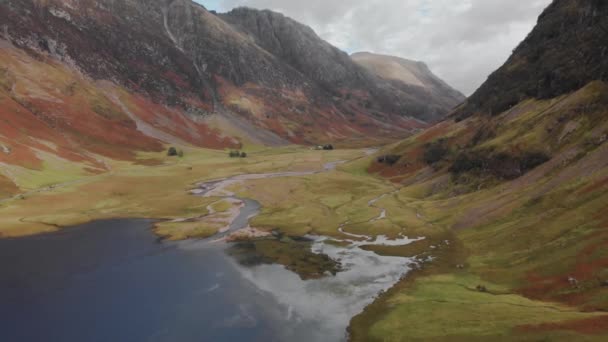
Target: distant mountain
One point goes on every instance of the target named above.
(414, 80)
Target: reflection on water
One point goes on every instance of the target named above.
(113, 281)
(320, 309)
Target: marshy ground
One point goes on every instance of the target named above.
(455, 292)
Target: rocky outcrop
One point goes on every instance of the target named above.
(300, 47)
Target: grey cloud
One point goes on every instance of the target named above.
(462, 41)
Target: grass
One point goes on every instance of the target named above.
(316, 204)
(132, 190)
(520, 239)
(221, 206)
(186, 230)
(449, 307)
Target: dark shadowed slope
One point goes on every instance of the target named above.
(564, 52)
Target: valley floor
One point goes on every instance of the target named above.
(454, 293)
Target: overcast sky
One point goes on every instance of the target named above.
(462, 41)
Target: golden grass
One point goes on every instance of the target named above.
(159, 192)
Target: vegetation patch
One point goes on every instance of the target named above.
(186, 230)
(295, 255)
(436, 151)
(389, 159)
(237, 154)
(451, 307)
(501, 165)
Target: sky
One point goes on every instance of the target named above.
(462, 41)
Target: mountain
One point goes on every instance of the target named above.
(414, 81)
(83, 80)
(516, 179)
(566, 50)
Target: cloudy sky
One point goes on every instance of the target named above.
(462, 41)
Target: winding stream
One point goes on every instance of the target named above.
(113, 280)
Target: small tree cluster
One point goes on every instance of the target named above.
(237, 154)
(173, 152)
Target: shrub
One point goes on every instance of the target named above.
(390, 159)
(435, 152)
(500, 165)
(237, 154)
(180, 153)
(172, 152)
(465, 163)
(531, 160)
(328, 147)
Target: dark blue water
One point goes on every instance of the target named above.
(113, 281)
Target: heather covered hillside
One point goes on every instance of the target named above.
(215, 70)
(516, 179)
(84, 83)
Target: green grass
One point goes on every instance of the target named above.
(449, 307)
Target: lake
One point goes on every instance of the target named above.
(115, 281)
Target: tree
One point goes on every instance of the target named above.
(237, 154)
(172, 152)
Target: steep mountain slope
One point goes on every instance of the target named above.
(565, 51)
(336, 72)
(517, 183)
(177, 53)
(84, 81)
(414, 80)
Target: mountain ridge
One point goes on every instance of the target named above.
(212, 67)
(412, 77)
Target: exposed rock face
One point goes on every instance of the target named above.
(336, 72)
(300, 47)
(414, 81)
(273, 73)
(566, 50)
